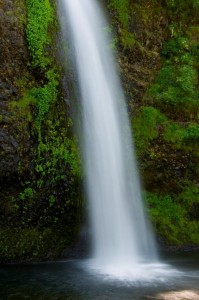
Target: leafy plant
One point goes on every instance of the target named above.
(122, 9)
(175, 46)
(183, 8)
(181, 135)
(189, 196)
(28, 193)
(176, 85)
(146, 125)
(30, 243)
(177, 82)
(170, 220)
(40, 17)
(44, 96)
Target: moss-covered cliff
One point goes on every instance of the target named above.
(40, 205)
(158, 54)
(40, 176)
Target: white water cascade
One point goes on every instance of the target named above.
(121, 234)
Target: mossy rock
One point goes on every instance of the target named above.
(28, 244)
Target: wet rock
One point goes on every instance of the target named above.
(8, 153)
(14, 59)
(7, 91)
(80, 249)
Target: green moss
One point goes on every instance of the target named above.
(58, 150)
(40, 17)
(176, 85)
(51, 195)
(47, 193)
(181, 136)
(177, 82)
(28, 193)
(127, 38)
(147, 124)
(176, 218)
(183, 8)
(171, 222)
(23, 106)
(18, 244)
(44, 97)
(189, 197)
(122, 8)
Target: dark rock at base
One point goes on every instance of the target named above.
(164, 247)
(81, 248)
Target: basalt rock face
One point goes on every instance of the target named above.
(40, 203)
(157, 50)
(40, 206)
(13, 66)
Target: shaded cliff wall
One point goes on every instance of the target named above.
(40, 202)
(158, 57)
(156, 45)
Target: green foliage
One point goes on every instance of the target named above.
(146, 125)
(47, 196)
(189, 197)
(122, 9)
(175, 46)
(22, 106)
(52, 197)
(181, 136)
(57, 151)
(171, 222)
(29, 244)
(174, 133)
(177, 81)
(191, 4)
(183, 8)
(176, 85)
(40, 17)
(28, 193)
(192, 133)
(127, 38)
(45, 96)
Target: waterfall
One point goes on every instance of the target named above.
(122, 236)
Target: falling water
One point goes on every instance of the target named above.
(121, 235)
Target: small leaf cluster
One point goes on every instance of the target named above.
(40, 17)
